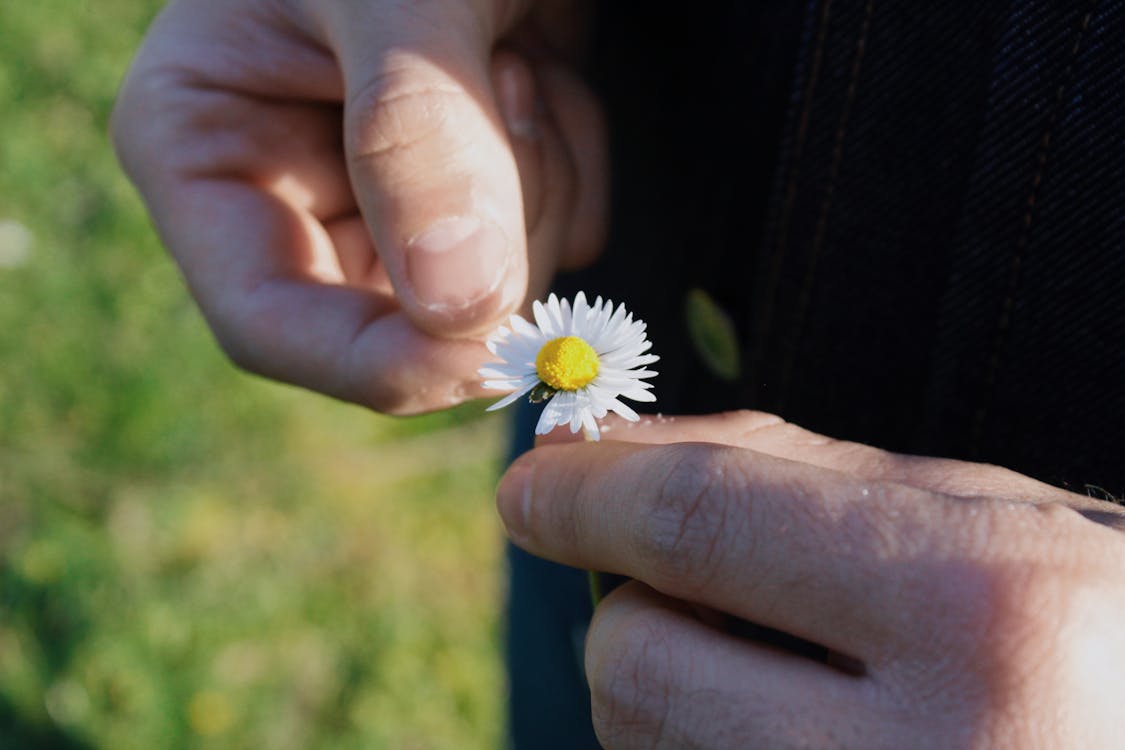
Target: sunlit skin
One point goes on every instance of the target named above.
(964, 606)
(305, 162)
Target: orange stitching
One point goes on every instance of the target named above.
(1042, 159)
(821, 231)
(770, 289)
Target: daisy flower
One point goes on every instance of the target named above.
(584, 359)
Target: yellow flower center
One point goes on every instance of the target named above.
(567, 363)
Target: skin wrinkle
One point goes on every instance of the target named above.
(958, 629)
(1025, 630)
(230, 152)
(227, 66)
(259, 316)
(999, 606)
(618, 679)
(314, 171)
(139, 155)
(358, 258)
(270, 15)
(355, 379)
(415, 21)
(701, 716)
(667, 716)
(686, 530)
(652, 664)
(401, 121)
(758, 426)
(539, 513)
(576, 519)
(705, 717)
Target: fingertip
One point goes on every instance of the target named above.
(513, 497)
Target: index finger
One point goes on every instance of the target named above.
(770, 434)
(803, 549)
(278, 319)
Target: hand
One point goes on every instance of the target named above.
(360, 250)
(961, 605)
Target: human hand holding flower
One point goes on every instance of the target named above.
(956, 605)
(582, 359)
(356, 192)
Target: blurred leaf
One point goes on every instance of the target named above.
(713, 335)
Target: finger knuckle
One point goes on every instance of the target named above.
(142, 123)
(682, 534)
(1001, 603)
(629, 686)
(389, 398)
(385, 392)
(236, 337)
(1028, 597)
(750, 421)
(396, 110)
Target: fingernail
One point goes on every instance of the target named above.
(456, 261)
(515, 90)
(513, 499)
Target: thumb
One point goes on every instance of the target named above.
(429, 161)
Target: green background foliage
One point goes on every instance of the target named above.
(191, 557)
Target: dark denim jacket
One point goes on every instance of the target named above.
(914, 213)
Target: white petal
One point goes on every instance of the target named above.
(624, 411)
(525, 329)
(543, 320)
(503, 370)
(619, 320)
(507, 384)
(639, 394)
(565, 317)
(553, 307)
(498, 337)
(599, 400)
(618, 338)
(557, 411)
(630, 345)
(547, 421)
(510, 398)
(611, 381)
(555, 312)
(578, 317)
(576, 419)
(581, 409)
(603, 337)
(518, 350)
(595, 322)
(590, 425)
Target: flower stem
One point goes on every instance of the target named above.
(592, 576)
(596, 593)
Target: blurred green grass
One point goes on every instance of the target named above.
(190, 557)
